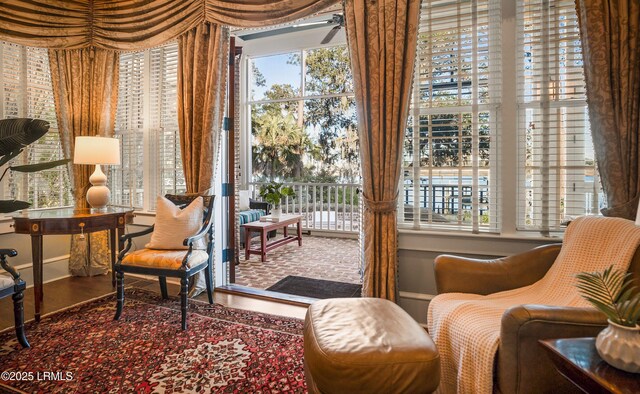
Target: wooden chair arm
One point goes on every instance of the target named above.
(5, 265)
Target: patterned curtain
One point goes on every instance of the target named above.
(202, 76)
(127, 25)
(610, 35)
(382, 37)
(85, 88)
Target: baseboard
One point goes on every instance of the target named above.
(416, 296)
(416, 305)
(52, 269)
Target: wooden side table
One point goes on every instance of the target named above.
(266, 227)
(68, 221)
(577, 360)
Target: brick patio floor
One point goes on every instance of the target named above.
(319, 257)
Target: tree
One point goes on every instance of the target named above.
(322, 131)
(279, 145)
(328, 72)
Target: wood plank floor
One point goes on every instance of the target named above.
(66, 292)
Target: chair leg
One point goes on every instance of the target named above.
(184, 291)
(207, 277)
(163, 287)
(18, 312)
(119, 294)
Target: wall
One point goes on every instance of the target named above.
(417, 251)
(55, 254)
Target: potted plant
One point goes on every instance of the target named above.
(15, 135)
(273, 193)
(612, 292)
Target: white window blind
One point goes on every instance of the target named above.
(26, 91)
(164, 119)
(128, 176)
(557, 175)
(450, 145)
(147, 124)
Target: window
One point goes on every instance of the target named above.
(303, 117)
(147, 125)
(26, 92)
(127, 179)
(449, 162)
(558, 176)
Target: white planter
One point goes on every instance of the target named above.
(619, 346)
(275, 212)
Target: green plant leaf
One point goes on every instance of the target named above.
(6, 158)
(7, 206)
(613, 293)
(40, 166)
(19, 132)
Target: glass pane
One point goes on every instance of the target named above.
(275, 77)
(331, 124)
(279, 141)
(328, 71)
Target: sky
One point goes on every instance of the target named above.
(276, 71)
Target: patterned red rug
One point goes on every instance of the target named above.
(84, 350)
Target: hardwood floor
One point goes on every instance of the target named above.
(66, 292)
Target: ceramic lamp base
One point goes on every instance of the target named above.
(98, 194)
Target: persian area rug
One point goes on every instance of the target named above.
(316, 288)
(83, 350)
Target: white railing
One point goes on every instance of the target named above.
(323, 206)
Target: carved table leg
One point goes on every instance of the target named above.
(36, 252)
(113, 236)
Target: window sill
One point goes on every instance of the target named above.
(459, 242)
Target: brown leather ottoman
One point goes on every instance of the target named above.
(367, 345)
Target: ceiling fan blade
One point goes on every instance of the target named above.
(330, 35)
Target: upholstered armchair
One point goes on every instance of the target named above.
(521, 364)
(180, 247)
(13, 286)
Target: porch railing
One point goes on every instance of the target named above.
(323, 206)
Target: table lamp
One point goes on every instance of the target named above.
(97, 150)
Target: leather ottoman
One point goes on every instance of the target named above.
(367, 345)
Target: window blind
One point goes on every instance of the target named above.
(128, 176)
(449, 177)
(164, 119)
(26, 91)
(557, 174)
(147, 120)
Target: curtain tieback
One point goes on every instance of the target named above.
(385, 206)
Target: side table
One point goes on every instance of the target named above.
(577, 360)
(265, 227)
(68, 221)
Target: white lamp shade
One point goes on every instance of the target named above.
(96, 150)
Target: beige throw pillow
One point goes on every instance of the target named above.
(173, 225)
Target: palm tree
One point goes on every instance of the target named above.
(279, 145)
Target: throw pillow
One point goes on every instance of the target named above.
(244, 200)
(173, 225)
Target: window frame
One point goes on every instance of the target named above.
(492, 106)
(30, 89)
(246, 138)
(151, 172)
